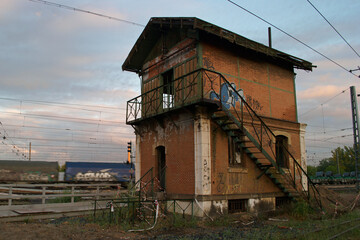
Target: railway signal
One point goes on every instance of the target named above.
(129, 152)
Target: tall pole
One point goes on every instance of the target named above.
(337, 161)
(29, 151)
(356, 126)
(269, 36)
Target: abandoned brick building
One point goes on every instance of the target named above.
(217, 117)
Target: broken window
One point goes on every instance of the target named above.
(281, 145)
(235, 153)
(168, 89)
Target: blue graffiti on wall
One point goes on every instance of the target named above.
(228, 96)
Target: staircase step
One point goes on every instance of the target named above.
(258, 155)
(261, 162)
(220, 115)
(228, 126)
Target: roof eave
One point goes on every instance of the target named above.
(201, 25)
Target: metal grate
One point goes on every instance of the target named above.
(237, 205)
(281, 201)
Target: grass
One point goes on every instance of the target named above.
(302, 221)
(64, 199)
(315, 226)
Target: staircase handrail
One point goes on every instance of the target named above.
(268, 130)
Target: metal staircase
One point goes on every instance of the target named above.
(257, 140)
(256, 153)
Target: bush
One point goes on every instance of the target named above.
(301, 209)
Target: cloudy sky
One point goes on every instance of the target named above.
(63, 90)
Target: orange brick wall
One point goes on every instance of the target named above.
(235, 180)
(176, 56)
(269, 89)
(178, 141)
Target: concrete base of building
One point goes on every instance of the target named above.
(204, 206)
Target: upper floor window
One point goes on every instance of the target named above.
(168, 89)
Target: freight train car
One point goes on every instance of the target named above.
(329, 178)
(28, 171)
(98, 172)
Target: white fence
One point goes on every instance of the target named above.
(12, 192)
(20, 199)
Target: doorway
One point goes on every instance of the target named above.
(161, 166)
(282, 158)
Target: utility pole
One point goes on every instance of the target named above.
(337, 161)
(356, 126)
(29, 151)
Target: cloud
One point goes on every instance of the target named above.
(320, 92)
(7, 7)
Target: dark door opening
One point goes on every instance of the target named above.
(161, 158)
(281, 153)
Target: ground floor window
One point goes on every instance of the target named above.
(282, 201)
(235, 153)
(237, 205)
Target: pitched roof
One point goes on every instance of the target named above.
(153, 31)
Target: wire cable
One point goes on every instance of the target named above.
(296, 39)
(86, 11)
(60, 103)
(334, 28)
(343, 91)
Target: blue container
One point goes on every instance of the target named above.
(98, 172)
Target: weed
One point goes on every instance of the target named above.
(180, 222)
(28, 220)
(64, 199)
(301, 210)
(224, 220)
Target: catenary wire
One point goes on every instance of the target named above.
(291, 36)
(60, 103)
(86, 11)
(333, 28)
(343, 91)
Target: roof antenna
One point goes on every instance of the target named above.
(269, 34)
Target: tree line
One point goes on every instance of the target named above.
(345, 163)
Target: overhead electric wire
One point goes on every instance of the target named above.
(7, 137)
(338, 130)
(291, 36)
(79, 120)
(343, 91)
(119, 147)
(334, 28)
(326, 139)
(86, 11)
(63, 129)
(62, 140)
(60, 103)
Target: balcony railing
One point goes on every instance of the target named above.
(186, 90)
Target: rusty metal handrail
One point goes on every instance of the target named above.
(239, 115)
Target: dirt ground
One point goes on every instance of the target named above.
(80, 228)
